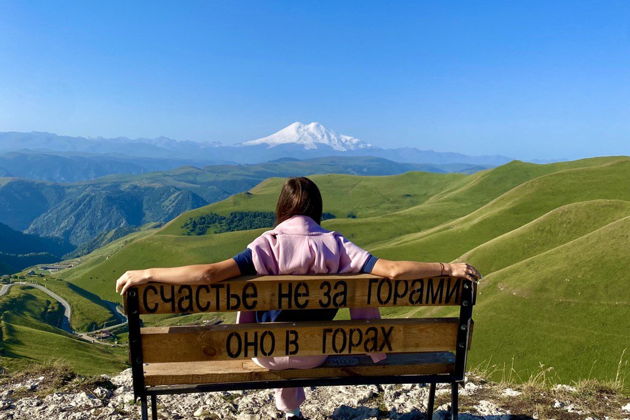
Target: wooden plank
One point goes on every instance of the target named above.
(243, 341)
(162, 374)
(299, 292)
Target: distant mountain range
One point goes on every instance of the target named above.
(298, 140)
(85, 192)
(73, 167)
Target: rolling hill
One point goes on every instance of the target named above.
(550, 239)
(82, 212)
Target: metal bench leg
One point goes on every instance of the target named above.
(431, 402)
(454, 398)
(154, 407)
(144, 410)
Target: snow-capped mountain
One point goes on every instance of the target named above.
(310, 136)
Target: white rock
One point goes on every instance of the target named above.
(488, 408)
(572, 409)
(396, 402)
(123, 378)
(469, 389)
(471, 386)
(29, 402)
(509, 392)
(101, 392)
(562, 387)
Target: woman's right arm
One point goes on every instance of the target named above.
(407, 270)
(188, 274)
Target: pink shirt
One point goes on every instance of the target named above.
(301, 246)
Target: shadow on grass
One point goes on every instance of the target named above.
(109, 306)
(7, 337)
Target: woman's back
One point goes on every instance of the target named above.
(300, 246)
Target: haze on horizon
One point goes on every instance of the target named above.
(535, 80)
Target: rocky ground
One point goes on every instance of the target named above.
(55, 393)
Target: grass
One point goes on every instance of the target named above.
(571, 301)
(160, 251)
(88, 312)
(559, 226)
(515, 208)
(88, 262)
(28, 338)
(551, 239)
(434, 203)
(342, 194)
(27, 304)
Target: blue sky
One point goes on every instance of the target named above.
(528, 79)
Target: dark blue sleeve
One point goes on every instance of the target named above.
(245, 262)
(369, 264)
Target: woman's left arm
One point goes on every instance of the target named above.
(188, 274)
(407, 270)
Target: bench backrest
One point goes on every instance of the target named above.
(241, 341)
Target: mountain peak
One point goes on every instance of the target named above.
(310, 136)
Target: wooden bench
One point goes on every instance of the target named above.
(181, 359)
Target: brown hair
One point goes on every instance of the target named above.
(299, 196)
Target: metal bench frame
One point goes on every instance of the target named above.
(143, 392)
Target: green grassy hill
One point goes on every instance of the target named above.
(568, 308)
(555, 228)
(519, 206)
(551, 240)
(27, 335)
(89, 312)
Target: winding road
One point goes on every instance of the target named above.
(67, 314)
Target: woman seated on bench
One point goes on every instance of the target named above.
(297, 245)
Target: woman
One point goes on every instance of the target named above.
(297, 245)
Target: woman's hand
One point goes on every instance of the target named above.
(130, 279)
(465, 271)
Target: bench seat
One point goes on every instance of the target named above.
(234, 371)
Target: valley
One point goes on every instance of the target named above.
(72, 219)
